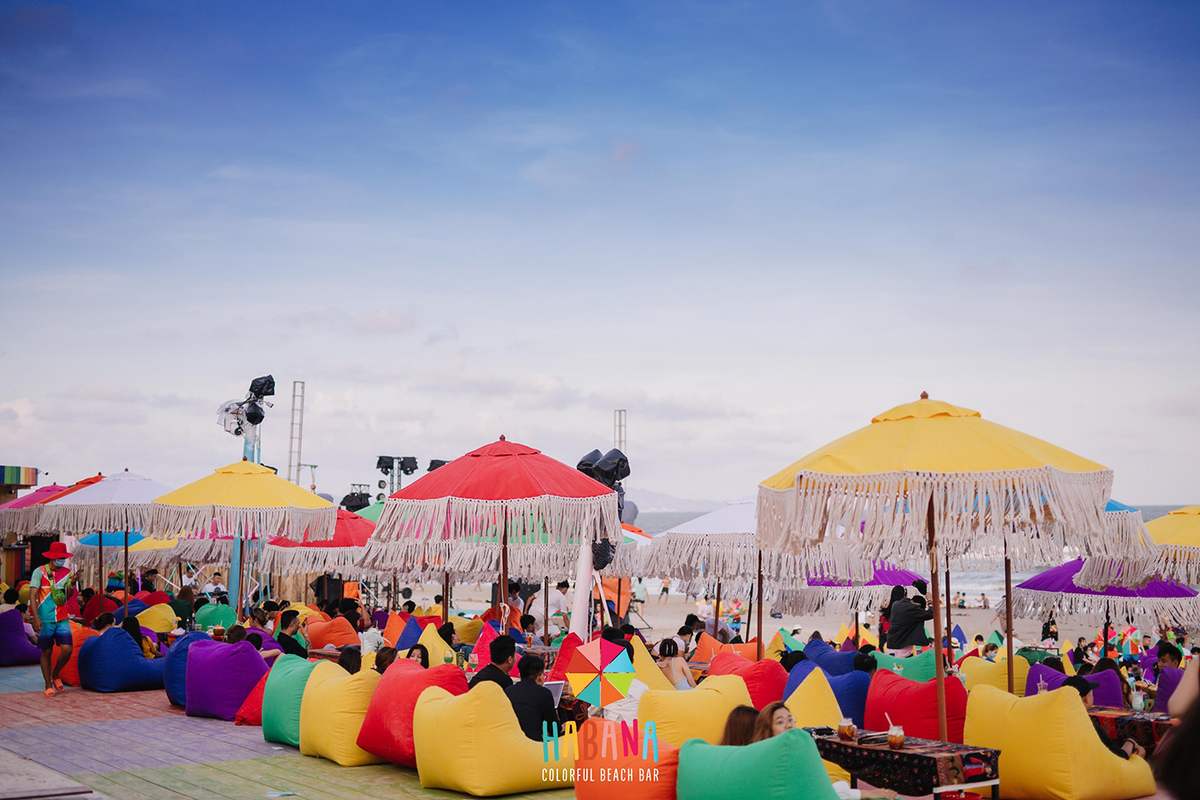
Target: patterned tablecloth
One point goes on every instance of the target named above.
(1144, 727)
(921, 766)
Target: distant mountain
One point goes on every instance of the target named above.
(656, 502)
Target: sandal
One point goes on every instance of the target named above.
(58, 685)
(49, 691)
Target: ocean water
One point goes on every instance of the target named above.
(971, 583)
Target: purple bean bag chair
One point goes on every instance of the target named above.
(268, 641)
(1108, 689)
(1051, 676)
(1168, 682)
(175, 669)
(1148, 659)
(113, 662)
(847, 646)
(380, 617)
(220, 676)
(15, 648)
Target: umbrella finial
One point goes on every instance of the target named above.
(503, 438)
(924, 395)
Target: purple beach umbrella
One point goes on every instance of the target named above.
(1055, 590)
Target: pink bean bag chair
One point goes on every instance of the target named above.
(913, 705)
(387, 729)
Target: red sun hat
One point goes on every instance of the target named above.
(55, 551)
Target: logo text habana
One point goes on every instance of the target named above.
(591, 745)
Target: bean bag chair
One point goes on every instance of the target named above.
(113, 662)
(1108, 691)
(483, 649)
(960, 635)
(1168, 682)
(558, 672)
(466, 628)
(828, 659)
(605, 748)
(134, 608)
(250, 711)
(848, 646)
(814, 705)
(281, 699)
(220, 676)
(1049, 748)
(332, 711)
(679, 716)
(305, 612)
(379, 618)
(797, 676)
(159, 618)
(175, 667)
(764, 679)
(15, 648)
(775, 647)
(783, 767)
(851, 693)
(471, 743)
(424, 620)
(99, 604)
(644, 667)
(914, 706)
(338, 632)
(211, 615)
(79, 635)
(436, 646)
(391, 631)
(407, 634)
(1040, 672)
(918, 668)
(153, 598)
(268, 641)
(387, 728)
(981, 672)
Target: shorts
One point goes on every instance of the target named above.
(53, 633)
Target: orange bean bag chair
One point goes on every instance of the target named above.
(605, 748)
(79, 635)
(250, 712)
(764, 679)
(913, 705)
(337, 632)
(707, 647)
(387, 729)
(395, 626)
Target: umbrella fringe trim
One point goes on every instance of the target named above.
(78, 520)
(1037, 604)
(480, 560)
(1178, 562)
(304, 560)
(167, 522)
(688, 556)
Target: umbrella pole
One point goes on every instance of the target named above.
(445, 597)
(717, 614)
(546, 611)
(949, 605)
(1008, 621)
(241, 570)
(1104, 635)
(758, 602)
(100, 582)
(857, 643)
(502, 592)
(392, 599)
(939, 661)
(125, 600)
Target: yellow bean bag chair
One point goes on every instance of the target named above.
(981, 672)
(471, 743)
(775, 648)
(159, 618)
(814, 705)
(467, 629)
(332, 711)
(1049, 749)
(700, 712)
(304, 611)
(435, 645)
(1065, 655)
(646, 669)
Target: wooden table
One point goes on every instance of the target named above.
(921, 767)
(1147, 728)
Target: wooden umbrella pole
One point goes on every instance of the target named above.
(546, 611)
(949, 605)
(445, 597)
(939, 661)
(857, 640)
(101, 584)
(393, 602)
(503, 592)
(1104, 634)
(125, 600)
(241, 574)
(717, 614)
(1008, 619)
(758, 603)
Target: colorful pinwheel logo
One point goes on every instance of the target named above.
(600, 672)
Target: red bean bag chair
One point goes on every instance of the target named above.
(565, 650)
(603, 751)
(152, 598)
(913, 705)
(99, 604)
(250, 711)
(387, 729)
(764, 679)
(337, 632)
(435, 621)
(79, 635)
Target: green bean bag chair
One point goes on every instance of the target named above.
(919, 668)
(281, 699)
(211, 614)
(784, 767)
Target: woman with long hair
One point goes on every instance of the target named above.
(774, 719)
(739, 726)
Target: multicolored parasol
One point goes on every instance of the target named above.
(600, 672)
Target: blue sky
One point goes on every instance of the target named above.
(753, 225)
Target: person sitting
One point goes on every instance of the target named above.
(1050, 631)
(449, 635)
(532, 701)
(384, 657)
(792, 658)
(864, 663)
(990, 651)
(131, 626)
(11, 598)
(528, 626)
(350, 610)
(104, 622)
(215, 586)
(435, 610)
(255, 638)
(503, 651)
(184, 605)
(907, 628)
(673, 665)
(1168, 656)
(289, 626)
(1079, 654)
(739, 726)
(1126, 748)
(1054, 662)
(419, 654)
(628, 631)
(409, 607)
(350, 658)
(682, 639)
(235, 634)
(774, 719)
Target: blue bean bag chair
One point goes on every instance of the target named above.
(113, 662)
(15, 648)
(797, 676)
(175, 668)
(135, 607)
(851, 693)
(828, 659)
(517, 636)
(409, 636)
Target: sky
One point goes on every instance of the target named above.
(753, 225)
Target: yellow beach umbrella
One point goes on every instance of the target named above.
(242, 499)
(923, 476)
(1177, 535)
(155, 553)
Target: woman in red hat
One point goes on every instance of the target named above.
(48, 588)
